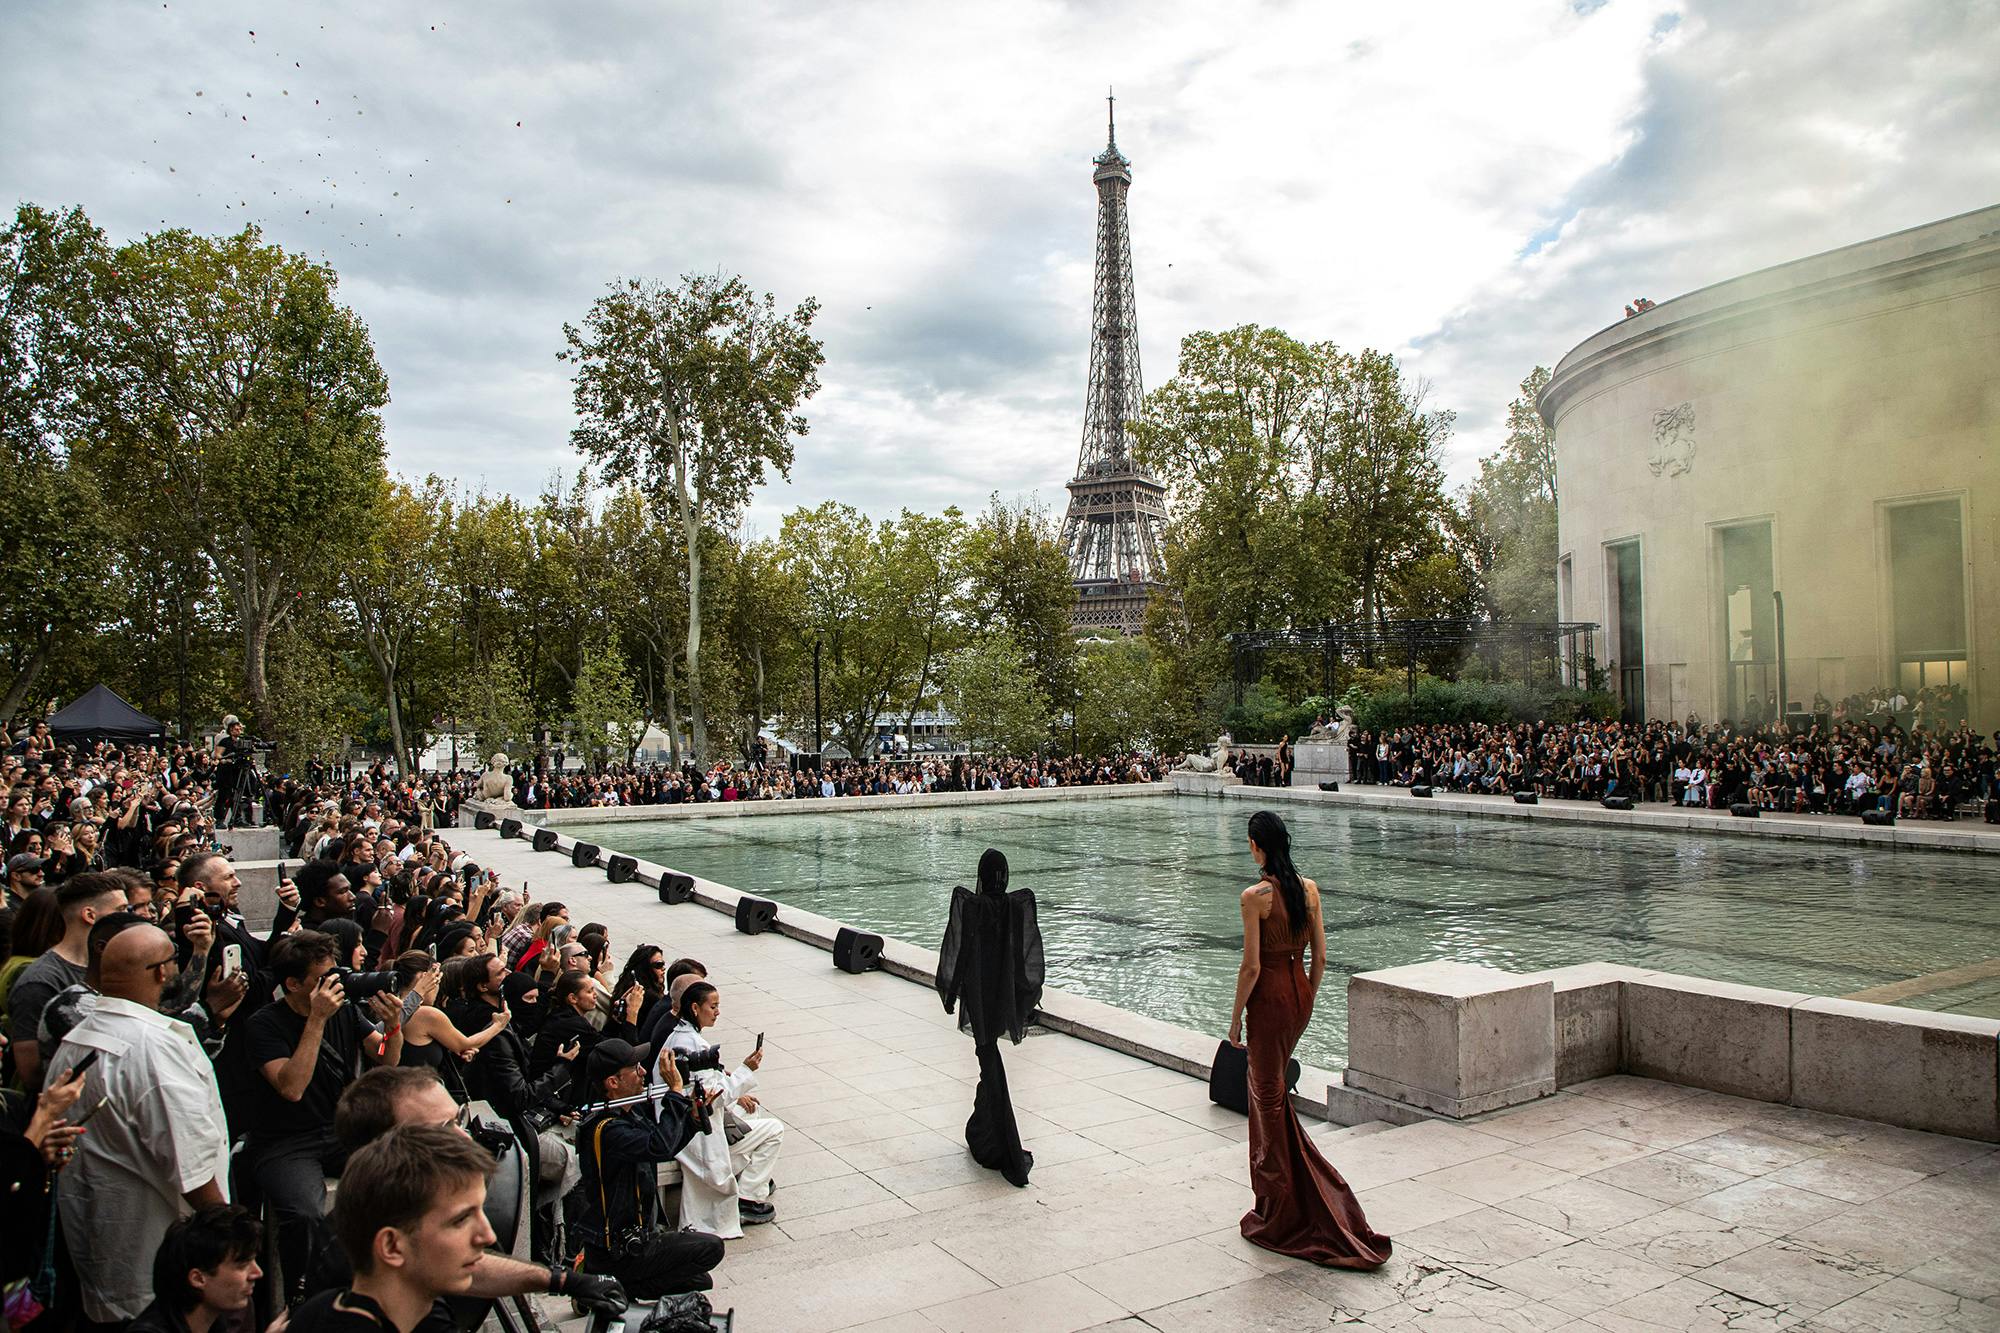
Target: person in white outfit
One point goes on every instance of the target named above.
(725, 1171)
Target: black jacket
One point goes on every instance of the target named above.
(499, 1073)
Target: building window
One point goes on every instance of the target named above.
(1627, 614)
(1927, 595)
(1749, 622)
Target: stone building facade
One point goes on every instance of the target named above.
(1828, 431)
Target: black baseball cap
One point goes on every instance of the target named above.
(611, 1055)
(26, 863)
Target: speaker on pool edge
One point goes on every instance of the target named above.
(1329, 786)
(483, 819)
(1422, 793)
(1879, 818)
(856, 951)
(510, 828)
(583, 855)
(621, 869)
(676, 888)
(1616, 803)
(1743, 810)
(754, 916)
(1526, 798)
(544, 840)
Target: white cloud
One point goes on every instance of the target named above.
(1477, 185)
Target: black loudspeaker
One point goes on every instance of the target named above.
(676, 888)
(583, 855)
(1526, 798)
(1879, 818)
(544, 840)
(754, 916)
(1422, 793)
(482, 819)
(1616, 803)
(1329, 786)
(510, 828)
(1743, 810)
(856, 951)
(620, 869)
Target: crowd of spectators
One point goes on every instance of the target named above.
(1829, 765)
(667, 785)
(183, 1086)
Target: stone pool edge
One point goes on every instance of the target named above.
(1167, 1045)
(820, 805)
(1896, 837)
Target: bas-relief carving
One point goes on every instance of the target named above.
(1673, 441)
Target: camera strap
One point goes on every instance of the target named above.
(603, 1204)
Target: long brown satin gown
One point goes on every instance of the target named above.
(1303, 1207)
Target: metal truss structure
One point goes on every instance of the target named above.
(1114, 530)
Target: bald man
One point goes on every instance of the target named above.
(159, 1148)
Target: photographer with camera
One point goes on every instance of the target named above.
(306, 1047)
(237, 784)
(726, 1170)
(619, 1148)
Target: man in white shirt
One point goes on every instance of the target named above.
(158, 1149)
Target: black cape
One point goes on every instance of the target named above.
(990, 964)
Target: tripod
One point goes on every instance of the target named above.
(244, 791)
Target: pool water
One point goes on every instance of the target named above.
(1138, 896)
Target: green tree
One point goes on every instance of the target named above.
(51, 551)
(242, 403)
(491, 702)
(394, 591)
(691, 392)
(305, 719)
(605, 717)
(1118, 699)
(834, 556)
(1509, 514)
(1380, 479)
(1017, 579)
(989, 689)
(926, 567)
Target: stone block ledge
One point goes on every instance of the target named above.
(621, 814)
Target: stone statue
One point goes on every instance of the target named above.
(1216, 758)
(495, 785)
(1336, 731)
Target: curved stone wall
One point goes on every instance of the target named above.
(1828, 430)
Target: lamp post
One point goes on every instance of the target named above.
(819, 742)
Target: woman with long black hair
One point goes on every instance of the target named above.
(991, 966)
(1303, 1208)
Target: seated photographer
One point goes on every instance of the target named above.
(726, 1170)
(384, 1099)
(305, 1047)
(619, 1148)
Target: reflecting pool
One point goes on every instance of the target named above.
(1138, 896)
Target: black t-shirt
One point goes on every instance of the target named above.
(274, 1032)
(346, 1311)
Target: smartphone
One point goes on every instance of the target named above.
(760, 1043)
(232, 958)
(83, 1066)
(411, 1003)
(96, 1106)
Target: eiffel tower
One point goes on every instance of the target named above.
(1113, 532)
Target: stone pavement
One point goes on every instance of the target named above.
(1621, 1204)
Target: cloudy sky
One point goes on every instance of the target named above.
(1475, 185)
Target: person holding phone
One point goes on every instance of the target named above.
(726, 1170)
(154, 1143)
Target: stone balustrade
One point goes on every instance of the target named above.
(1449, 1039)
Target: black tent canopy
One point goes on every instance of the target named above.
(99, 714)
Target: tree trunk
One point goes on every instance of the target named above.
(24, 681)
(673, 720)
(256, 688)
(691, 535)
(396, 722)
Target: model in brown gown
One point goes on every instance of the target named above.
(1303, 1207)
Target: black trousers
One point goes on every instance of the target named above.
(672, 1262)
